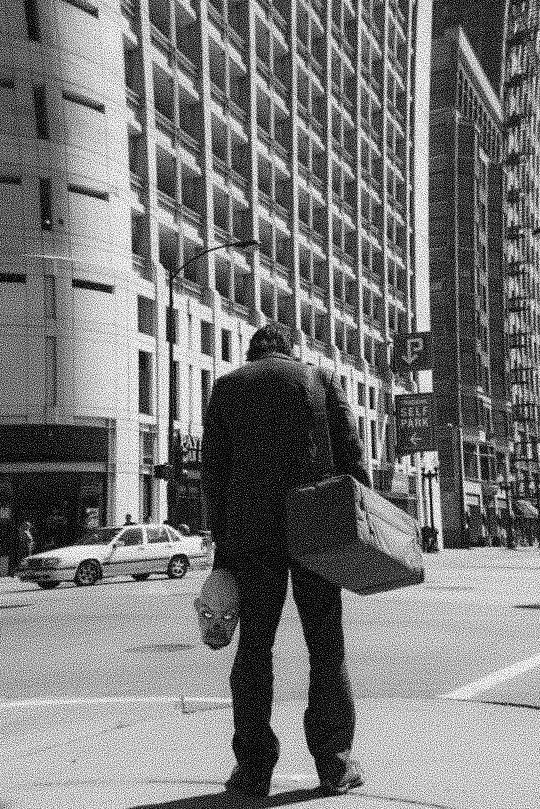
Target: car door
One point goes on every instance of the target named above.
(158, 548)
(128, 557)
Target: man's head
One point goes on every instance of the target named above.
(268, 340)
(217, 609)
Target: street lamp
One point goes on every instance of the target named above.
(242, 245)
(430, 476)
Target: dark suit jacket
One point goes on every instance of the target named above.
(272, 424)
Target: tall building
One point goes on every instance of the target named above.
(522, 159)
(139, 133)
(484, 24)
(467, 290)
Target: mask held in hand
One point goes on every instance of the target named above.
(217, 609)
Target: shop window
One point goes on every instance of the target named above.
(40, 109)
(145, 381)
(145, 315)
(226, 349)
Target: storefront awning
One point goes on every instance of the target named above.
(526, 509)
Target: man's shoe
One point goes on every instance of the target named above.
(353, 777)
(249, 781)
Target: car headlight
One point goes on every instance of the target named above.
(52, 562)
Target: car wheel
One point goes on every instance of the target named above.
(178, 567)
(87, 573)
(48, 585)
(141, 576)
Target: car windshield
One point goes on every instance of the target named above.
(98, 536)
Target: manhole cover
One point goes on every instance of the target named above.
(13, 606)
(162, 647)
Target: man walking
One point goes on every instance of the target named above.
(257, 445)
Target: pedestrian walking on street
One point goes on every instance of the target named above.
(26, 540)
(128, 520)
(256, 447)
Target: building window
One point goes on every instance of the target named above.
(372, 399)
(207, 338)
(361, 394)
(226, 350)
(189, 332)
(145, 383)
(205, 392)
(40, 109)
(373, 430)
(174, 388)
(190, 393)
(49, 295)
(90, 8)
(45, 205)
(94, 286)
(361, 428)
(84, 101)
(145, 315)
(32, 19)
(50, 371)
(172, 327)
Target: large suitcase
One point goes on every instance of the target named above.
(353, 537)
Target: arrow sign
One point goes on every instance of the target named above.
(412, 352)
(414, 423)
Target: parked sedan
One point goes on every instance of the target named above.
(130, 550)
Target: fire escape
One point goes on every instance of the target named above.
(522, 120)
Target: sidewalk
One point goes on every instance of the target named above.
(432, 754)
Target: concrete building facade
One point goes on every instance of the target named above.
(467, 292)
(139, 133)
(521, 100)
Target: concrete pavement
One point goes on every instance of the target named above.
(429, 753)
(433, 754)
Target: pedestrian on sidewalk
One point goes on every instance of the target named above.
(256, 448)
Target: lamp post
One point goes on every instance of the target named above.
(430, 476)
(242, 245)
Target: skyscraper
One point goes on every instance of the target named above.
(484, 24)
(466, 289)
(139, 133)
(522, 159)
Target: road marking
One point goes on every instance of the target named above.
(493, 679)
(187, 704)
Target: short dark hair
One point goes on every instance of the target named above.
(267, 340)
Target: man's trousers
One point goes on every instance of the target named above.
(329, 719)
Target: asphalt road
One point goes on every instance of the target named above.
(475, 616)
